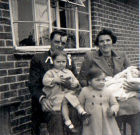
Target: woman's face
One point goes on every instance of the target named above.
(105, 44)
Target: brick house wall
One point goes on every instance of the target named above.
(13, 76)
(121, 16)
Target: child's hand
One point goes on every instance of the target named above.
(58, 80)
(74, 85)
(110, 112)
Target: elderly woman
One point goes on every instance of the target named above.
(110, 62)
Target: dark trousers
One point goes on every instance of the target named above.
(132, 120)
(55, 124)
(54, 121)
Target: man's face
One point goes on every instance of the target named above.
(58, 42)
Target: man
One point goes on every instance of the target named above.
(41, 63)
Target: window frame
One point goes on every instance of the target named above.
(43, 47)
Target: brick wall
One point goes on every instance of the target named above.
(121, 16)
(13, 76)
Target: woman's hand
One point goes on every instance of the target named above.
(132, 86)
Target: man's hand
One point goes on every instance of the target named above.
(46, 105)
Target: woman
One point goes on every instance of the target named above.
(110, 62)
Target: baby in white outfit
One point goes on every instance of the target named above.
(115, 85)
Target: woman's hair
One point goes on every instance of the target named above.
(93, 73)
(58, 53)
(105, 32)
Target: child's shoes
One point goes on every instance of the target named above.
(70, 127)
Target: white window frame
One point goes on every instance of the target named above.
(44, 48)
(80, 2)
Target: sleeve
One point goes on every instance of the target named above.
(114, 104)
(35, 78)
(73, 79)
(48, 79)
(126, 61)
(83, 71)
(82, 98)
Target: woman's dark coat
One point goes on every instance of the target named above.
(94, 59)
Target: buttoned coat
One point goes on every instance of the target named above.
(96, 103)
(94, 59)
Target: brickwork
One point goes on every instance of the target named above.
(121, 16)
(13, 76)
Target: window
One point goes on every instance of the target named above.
(34, 20)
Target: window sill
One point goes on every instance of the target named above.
(29, 53)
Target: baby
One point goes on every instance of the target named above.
(115, 85)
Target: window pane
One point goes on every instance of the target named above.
(70, 18)
(43, 35)
(71, 39)
(83, 21)
(24, 34)
(84, 9)
(84, 39)
(67, 17)
(31, 34)
(20, 12)
(53, 16)
(41, 10)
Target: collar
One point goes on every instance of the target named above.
(57, 70)
(48, 58)
(113, 53)
(48, 53)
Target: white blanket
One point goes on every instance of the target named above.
(115, 84)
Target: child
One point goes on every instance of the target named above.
(101, 106)
(116, 84)
(59, 85)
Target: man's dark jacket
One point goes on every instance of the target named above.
(39, 65)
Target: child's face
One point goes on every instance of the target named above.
(99, 82)
(60, 62)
